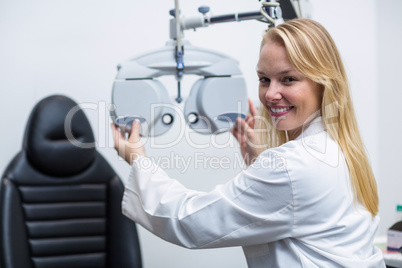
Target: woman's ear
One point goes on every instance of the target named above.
(322, 89)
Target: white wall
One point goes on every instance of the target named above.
(72, 48)
(389, 90)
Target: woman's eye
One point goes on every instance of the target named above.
(289, 79)
(264, 80)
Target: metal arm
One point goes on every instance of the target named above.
(269, 13)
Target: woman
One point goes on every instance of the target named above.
(308, 200)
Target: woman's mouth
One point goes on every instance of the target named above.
(279, 111)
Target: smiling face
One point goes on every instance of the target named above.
(289, 97)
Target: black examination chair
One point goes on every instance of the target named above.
(60, 204)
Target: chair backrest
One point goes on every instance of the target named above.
(60, 201)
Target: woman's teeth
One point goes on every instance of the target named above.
(281, 110)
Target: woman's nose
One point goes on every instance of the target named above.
(273, 93)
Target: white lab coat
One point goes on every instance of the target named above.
(293, 207)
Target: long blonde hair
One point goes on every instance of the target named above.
(312, 51)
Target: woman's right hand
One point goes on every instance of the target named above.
(243, 131)
(129, 149)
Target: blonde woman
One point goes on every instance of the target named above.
(307, 199)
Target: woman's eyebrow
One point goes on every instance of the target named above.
(260, 72)
(284, 72)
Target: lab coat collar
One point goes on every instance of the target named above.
(313, 127)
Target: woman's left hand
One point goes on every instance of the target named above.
(244, 132)
(129, 149)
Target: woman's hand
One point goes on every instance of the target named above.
(132, 148)
(243, 131)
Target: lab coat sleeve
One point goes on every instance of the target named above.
(253, 208)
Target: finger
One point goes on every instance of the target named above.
(117, 132)
(233, 131)
(240, 125)
(113, 130)
(115, 135)
(135, 131)
(237, 124)
(243, 128)
(253, 110)
(250, 121)
(236, 134)
(248, 131)
(253, 113)
(237, 131)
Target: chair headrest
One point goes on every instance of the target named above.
(58, 137)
